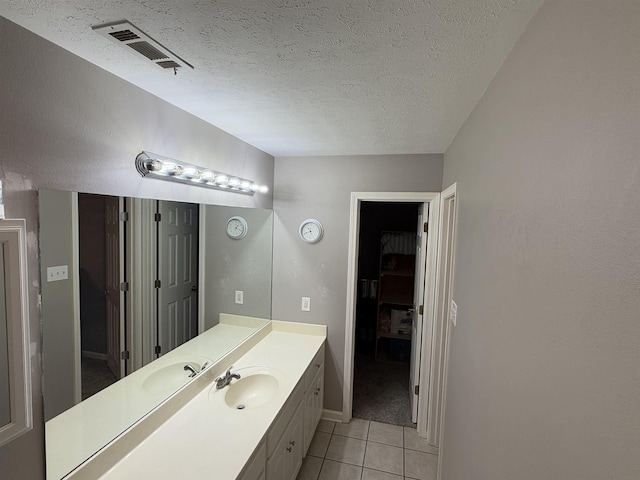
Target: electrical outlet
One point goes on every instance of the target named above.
(55, 274)
(239, 297)
(453, 314)
(306, 304)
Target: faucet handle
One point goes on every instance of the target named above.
(229, 371)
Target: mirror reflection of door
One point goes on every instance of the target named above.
(99, 262)
(177, 286)
(112, 281)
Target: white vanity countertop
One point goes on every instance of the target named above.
(200, 441)
(72, 436)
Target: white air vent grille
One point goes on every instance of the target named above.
(125, 34)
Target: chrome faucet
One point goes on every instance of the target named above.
(225, 380)
(194, 372)
(189, 368)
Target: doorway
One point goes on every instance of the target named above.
(386, 278)
(100, 267)
(422, 312)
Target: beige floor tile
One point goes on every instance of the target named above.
(369, 474)
(346, 450)
(420, 465)
(319, 444)
(356, 428)
(339, 471)
(386, 458)
(310, 468)
(325, 426)
(413, 442)
(385, 433)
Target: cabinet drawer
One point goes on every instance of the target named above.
(285, 415)
(314, 366)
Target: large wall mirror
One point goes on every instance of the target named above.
(15, 371)
(124, 282)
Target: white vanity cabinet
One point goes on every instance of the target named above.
(255, 468)
(284, 440)
(313, 397)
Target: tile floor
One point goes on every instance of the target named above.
(368, 450)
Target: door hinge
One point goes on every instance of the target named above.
(158, 350)
(426, 227)
(158, 284)
(158, 217)
(124, 355)
(124, 216)
(124, 287)
(421, 310)
(416, 389)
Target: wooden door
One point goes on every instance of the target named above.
(112, 259)
(178, 274)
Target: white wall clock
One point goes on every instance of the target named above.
(237, 227)
(311, 230)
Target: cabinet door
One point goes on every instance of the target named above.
(286, 459)
(296, 435)
(278, 463)
(255, 468)
(313, 403)
(318, 396)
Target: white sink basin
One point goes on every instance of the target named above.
(257, 386)
(170, 377)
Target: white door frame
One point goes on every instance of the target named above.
(444, 296)
(433, 199)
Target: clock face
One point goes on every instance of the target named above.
(311, 231)
(237, 228)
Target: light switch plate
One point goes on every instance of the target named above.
(239, 297)
(453, 314)
(58, 273)
(306, 304)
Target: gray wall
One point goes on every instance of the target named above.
(67, 125)
(320, 187)
(231, 265)
(545, 360)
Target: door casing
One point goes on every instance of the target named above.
(433, 201)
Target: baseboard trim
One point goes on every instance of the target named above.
(332, 415)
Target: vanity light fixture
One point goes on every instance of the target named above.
(164, 168)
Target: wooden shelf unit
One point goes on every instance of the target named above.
(395, 292)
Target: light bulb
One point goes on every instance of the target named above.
(154, 165)
(263, 189)
(234, 182)
(221, 179)
(206, 175)
(190, 172)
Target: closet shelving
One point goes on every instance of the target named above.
(395, 285)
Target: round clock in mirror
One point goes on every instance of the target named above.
(237, 227)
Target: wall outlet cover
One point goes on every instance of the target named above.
(306, 304)
(55, 274)
(239, 297)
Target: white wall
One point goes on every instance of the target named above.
(320, 187)
(545, 360)
(67, 125)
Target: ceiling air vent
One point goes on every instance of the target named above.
(125, 34)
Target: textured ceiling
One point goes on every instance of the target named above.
(305, 77)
